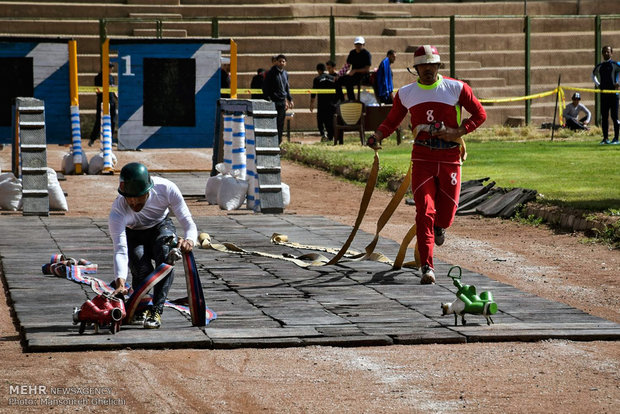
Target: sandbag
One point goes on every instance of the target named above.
(214, 183)
(10, 192)
(232, 193)
(67, 166)
(96, 163)
(212, 188)
(286, 194)
(58, 202)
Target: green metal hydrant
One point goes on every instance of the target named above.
(467, 301)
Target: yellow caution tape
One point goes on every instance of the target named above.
(242, 91)
(519, 98)
(559, 90)
(97, 89)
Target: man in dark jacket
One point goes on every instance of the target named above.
(326, 103)
(605, 76)
(276, 89)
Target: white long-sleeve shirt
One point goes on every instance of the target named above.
(163, 197)
(571, 111)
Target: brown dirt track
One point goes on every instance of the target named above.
(547, 376)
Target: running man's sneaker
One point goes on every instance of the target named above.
(614, 142)
(153, 320)
(604, 142)
(138, 318)
(440, 235)
(428, 275)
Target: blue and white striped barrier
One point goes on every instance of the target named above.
(227, 138)
(106, 121)
(76, 136)
(238, 146)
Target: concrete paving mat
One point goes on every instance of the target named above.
(266, 302)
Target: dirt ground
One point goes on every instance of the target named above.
(558, 375)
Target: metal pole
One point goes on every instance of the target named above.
(332, 35)
(555, 109)
(76, 138)
(159, 29)
(233, 69)
(103, 35)
(215, 29)
(528, 104)
(597, 60)
(452, 48)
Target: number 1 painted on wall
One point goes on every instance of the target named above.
(127, 60)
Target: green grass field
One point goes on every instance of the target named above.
(571, 171)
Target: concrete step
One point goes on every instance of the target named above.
(448, 8)
(482, 82)
(262, 2)
(155, 15)
(372, 14)
(496, 24)
(315, 44)
(164, 33)
(562, 57)
(539, 74)
(409, 32)
(159, 2)
(515, 41)
(30, 2)
(105, 10)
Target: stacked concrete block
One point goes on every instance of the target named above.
(32, 168)
(266, 150)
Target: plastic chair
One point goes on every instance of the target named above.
(349, 116)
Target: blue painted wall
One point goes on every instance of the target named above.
(51, 84)
(132, 132)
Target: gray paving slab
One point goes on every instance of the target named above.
(266, 302)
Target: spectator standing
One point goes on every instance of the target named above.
(257, 83)
(605, 77)
(331, 68)
(572, 111)
(326, 103)
(276, 89)
(434, 103)
(359, 60)
(383, 79)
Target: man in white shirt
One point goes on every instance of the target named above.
(571, 114)
(141, 231)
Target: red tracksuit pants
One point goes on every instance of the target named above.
(436, 186)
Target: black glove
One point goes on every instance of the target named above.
(373, 142)
(436, 127)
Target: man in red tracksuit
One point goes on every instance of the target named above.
(435, 103)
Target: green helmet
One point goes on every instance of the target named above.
(135, 180)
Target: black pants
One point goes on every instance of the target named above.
(281, 110)
(609, 106)
(96, 131)
(146, 246)
(325, 120)
(349, 82)
(576, 125)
